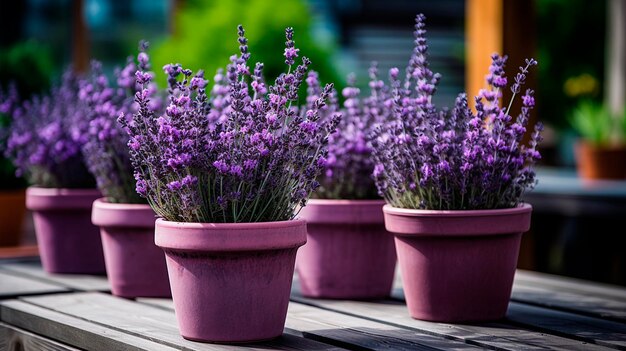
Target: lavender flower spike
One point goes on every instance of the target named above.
(46, 137)
(243, 152)
(105, 150)
(441, 159)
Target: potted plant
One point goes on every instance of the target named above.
(227, 191)
(45, 146)
(22, 84)
(12, 195)
(601, 151)
(135, 265)
(348, 254)
(453, 181)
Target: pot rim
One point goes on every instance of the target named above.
(331, 211)
(51, 199)
(590, 146)
(408, 212)
(34, 190)
(103, 203)
(124, 215)
(457, 223)
(345, 202)
(223, 237)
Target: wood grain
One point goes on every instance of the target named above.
(33, 269)
(349, 331)
(13, 285)
(570, 325)
(605, 308)
(499, 336)
(72, 331)
(12, 338)
(154, 324)
(564, 284)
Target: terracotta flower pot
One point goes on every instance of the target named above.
(68, 241)
(349, 254)
(230, 281)
(135, 265)
(600, 162)
(12, 209)
(457, 266)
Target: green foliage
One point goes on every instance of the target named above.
(595, 123)
(205, 35)
(570, 43)
(29, 65)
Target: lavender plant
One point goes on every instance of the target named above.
(106, 151)
(46, 138)
(430, 158)
(348, 171)
(255, 160)
(9, 101)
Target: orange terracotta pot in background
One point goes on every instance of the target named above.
(600, 162)
(12, 210)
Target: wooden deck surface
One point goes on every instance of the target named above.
(39, 311)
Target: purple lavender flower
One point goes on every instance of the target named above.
(46, 137)
(456, 159)
(349, 166)
(9, 102)
(106, 148)
(246, 154)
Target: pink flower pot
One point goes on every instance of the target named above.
(230, 281)
(457, 266)
(68, 242)
(349, 254)
(135, 265)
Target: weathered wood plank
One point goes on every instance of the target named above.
(565, 284)
(78, 282)
(567, 294)
(499, 336)
(570, 325)
(150, 323)
(13, 285)
(352, 332)
(611, 309)
(349, 331)
(72, 331)
(12, 338)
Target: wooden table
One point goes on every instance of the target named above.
(560, 191)
(63, 312)
(577, 227)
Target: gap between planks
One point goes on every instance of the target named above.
(151, 324)
(496, 335)
(349, 331)
(79, 282)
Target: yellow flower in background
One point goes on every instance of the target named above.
(582, 85)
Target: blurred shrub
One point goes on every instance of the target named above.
(29, 66)
(571, 39)
(594, 122)
(205, 36)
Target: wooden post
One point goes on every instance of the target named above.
(483, 27)
(80, 38)
(503, 26)
(177, 6)
(615, 82)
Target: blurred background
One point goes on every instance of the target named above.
(578, 224)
